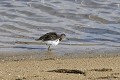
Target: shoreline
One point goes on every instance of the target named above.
(46, 55)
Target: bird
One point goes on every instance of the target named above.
(51, 38)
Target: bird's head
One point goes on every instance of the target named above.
(62, 36)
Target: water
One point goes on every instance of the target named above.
(90, 25)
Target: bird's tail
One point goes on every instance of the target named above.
(37, 39)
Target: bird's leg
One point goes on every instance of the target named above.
(48, 47)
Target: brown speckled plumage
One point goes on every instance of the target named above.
(51, 36)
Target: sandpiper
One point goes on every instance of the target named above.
(51, 38)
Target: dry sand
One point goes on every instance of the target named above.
(61, 69)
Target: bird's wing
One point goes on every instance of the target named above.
(48, 36)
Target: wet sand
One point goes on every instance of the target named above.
(95, 68)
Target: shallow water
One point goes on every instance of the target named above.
(89, 24)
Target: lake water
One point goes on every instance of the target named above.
(90, 25)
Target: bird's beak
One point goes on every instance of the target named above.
(67, 38)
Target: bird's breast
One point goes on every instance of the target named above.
(54, 43)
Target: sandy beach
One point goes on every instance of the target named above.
(91, 50)
(96, 68)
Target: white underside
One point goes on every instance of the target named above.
(54, 43)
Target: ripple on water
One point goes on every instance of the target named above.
(88, 23)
